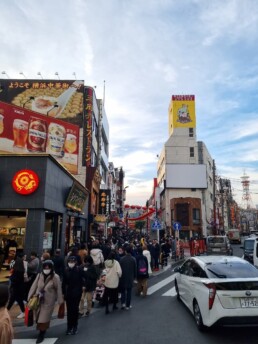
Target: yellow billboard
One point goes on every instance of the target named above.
(182, 112)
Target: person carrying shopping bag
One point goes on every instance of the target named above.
(47, 287)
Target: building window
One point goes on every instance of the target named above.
(182, 214)
(196, 216)
(191, 132)
(193, 190)
(191, 152)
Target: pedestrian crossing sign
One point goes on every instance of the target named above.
(156, 225)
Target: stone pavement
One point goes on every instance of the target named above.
(15, 310)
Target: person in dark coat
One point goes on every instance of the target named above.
(90, 282)
(59, 264)
(128, 266)
(155, 254)
(142, 277)
(72, 290)
(17, 285)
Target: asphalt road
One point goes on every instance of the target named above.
(158, 318)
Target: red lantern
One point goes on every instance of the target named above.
(144, 208)
(25, 182)
(132, 206)
(127, 206)
(138, 207)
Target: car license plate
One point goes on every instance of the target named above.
(216, 249)
(249, 302)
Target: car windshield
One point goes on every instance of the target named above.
(216, 240)
(249, 244)
(231, 270)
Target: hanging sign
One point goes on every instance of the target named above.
(25, 182)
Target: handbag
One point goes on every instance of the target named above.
(61, 311)
(34, 302)
(28, 318)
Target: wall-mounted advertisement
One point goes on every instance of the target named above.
(62, 99)
(182, 112)
(26, 132)
(76, 198)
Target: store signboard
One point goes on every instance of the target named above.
(76, 198)
(26, 132)
(25, 182)
(61, 99)
(88, 117)
(182, 112)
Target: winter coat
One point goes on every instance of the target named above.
(72, 283)
(6, 328)
(139, 257)
(147, 254)
(114, 272)
(97, 256)
(53, 293)
(90, 277)
(128, 266)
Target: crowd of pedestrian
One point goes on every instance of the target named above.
(103, 270)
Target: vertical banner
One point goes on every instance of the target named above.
(104, 201)
(88, 94)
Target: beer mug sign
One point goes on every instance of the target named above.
(20, 134)
(56, 139)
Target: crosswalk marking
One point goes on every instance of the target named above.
(170, 292)
(32, 341)
(160, 285)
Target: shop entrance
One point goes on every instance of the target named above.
(52, 232)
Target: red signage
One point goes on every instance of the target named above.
(25, 182)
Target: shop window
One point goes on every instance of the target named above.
(196, 216)
(183, 214)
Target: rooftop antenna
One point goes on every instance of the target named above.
(104, 92)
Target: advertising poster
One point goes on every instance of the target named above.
(182, 112)
(26, 132)
(61, 99)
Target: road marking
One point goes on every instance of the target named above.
(32, 341)
(160, 285)
(170, 292)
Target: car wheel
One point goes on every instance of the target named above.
(198, 317)
(177, 291)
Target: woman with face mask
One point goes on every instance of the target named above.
(72, 289)
(47, 286)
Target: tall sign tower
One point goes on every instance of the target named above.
(246, 197)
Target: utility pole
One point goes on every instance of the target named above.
(214, 198)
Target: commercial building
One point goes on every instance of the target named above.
(185, 173)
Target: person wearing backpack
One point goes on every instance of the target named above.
(142, 273)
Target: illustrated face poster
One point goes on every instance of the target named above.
(182, 112)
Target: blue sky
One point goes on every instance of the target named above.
(147, 50)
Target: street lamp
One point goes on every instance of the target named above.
(21, 73)
(40, 75)
(56, 73)
(6, 74)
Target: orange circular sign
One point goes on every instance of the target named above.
(25, 182)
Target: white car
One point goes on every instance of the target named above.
(221, 290)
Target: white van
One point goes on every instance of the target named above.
(251, 250)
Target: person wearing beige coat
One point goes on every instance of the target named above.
(48, 286)
(113, 273)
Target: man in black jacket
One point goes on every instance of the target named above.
(128, 266)
(72, 290)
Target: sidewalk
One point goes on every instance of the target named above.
(15, 310)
